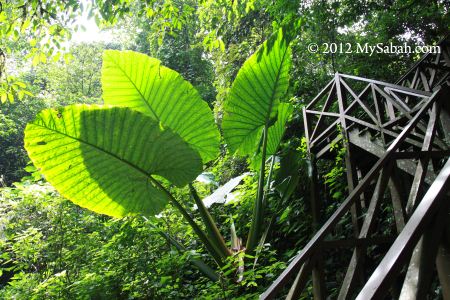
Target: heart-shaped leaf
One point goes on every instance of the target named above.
(106, 159)
(255, 95)
(140, 82)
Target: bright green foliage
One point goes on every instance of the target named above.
(107, 159)
(10, 88)
(36, 27)
(83, 255)
(255, 95)
(75, 81)
(52, 84)
(49, 23)
(140, 82)
(45, 21)
(335, 178)
(103, 158)
(250, 110)
(276, 132)
(52, 249)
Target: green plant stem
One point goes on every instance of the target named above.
(201, 235)
(211, 227)
(198, 263)
(269, 178)
(258, 210)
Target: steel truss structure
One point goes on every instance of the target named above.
(397, 139)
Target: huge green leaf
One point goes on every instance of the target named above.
(105, 159)
(255, 95)
(276, 133)
(140, 82)
(288, 174)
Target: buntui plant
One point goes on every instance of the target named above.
(155, 130)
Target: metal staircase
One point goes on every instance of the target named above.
(397, 141)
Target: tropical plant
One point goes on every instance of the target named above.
(155, 132)
(52, 249)
(255, 115)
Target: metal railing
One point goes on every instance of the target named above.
(407, 121)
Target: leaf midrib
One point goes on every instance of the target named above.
(138, 90)
(277, 78)
(100, 149)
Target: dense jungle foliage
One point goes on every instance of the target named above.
(253, 177)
